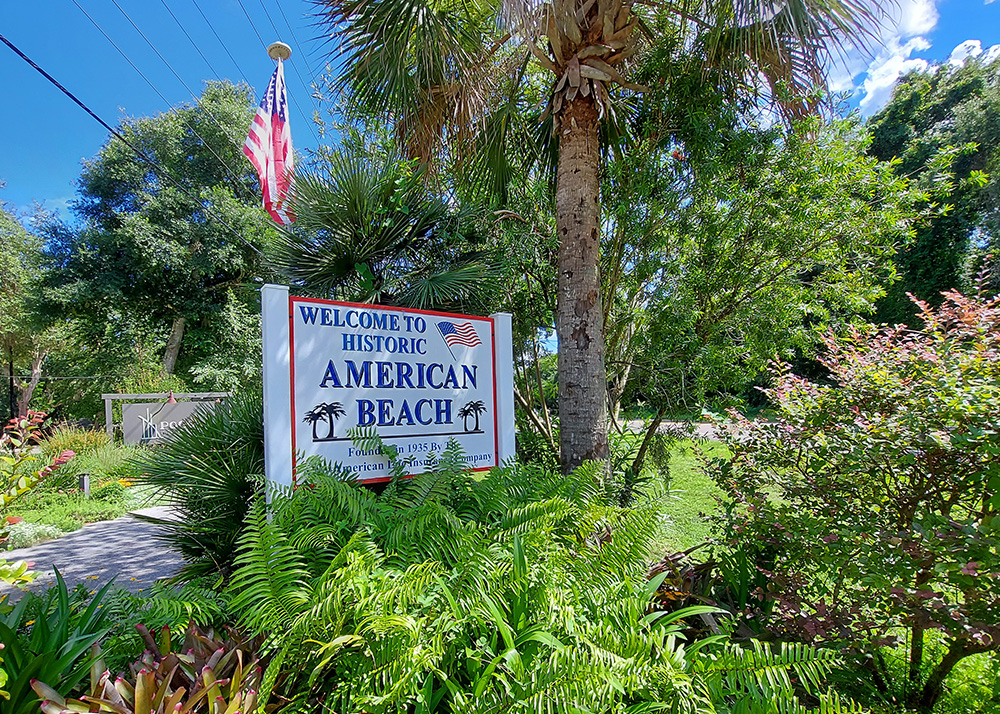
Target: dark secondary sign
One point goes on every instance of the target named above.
(420, 379)
(152, 423)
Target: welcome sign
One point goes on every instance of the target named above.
(419, 378)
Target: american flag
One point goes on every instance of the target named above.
(269, 147)
(459, 333)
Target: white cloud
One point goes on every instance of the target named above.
(912, 18)
(969, 48)
(972, 48)
(901, 33)
(60, 206)
(893, 62)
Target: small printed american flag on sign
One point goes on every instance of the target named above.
(269, 147)
(459, 333)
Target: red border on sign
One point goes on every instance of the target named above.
(291, 372)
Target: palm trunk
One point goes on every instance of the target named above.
(583, 427)
(173, 346)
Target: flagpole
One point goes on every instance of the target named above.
(279, 51)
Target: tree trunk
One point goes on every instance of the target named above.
(924, 699)
(583, 428)
(27, 389)
(12, 399)
(173, 345)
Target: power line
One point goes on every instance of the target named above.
(170, 67)
(212, 28)
(114, 132)
(193, 43)
(222, 162)
(291, 32)
(295, 67)
(264, 45)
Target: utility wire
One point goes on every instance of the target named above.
(166, 7)
(194, 131)
(264, 45)
(291, 32)
(212, 28)
(295, 67)
(115, 133)
(170, 67)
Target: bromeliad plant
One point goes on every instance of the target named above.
(874, 505)
(201, 674)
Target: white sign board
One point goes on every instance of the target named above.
(420, 379)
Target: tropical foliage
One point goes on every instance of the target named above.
(368, 229)
(20, 472)
(50, 638)
(525, 589)
(209, 472)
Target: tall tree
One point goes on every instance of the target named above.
(24, 342)
(149, 254)
(459, 73)
(950, 110)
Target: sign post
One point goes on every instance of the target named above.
(420, 379)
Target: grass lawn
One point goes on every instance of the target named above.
(690, 499)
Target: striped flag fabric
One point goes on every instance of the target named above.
(459, 333)
(269, 147)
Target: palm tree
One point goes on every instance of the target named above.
(333, 411)
(477, 407)
(465, 412)
(316, 415)
(368, 230)
(450, 80)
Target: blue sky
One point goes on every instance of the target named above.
(46, 135)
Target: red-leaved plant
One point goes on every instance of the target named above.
(871, 504)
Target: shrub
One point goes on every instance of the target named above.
(70, 438)
(20, 472)
(25, 535)
(873, 505)
(113, 491)
(209, 471)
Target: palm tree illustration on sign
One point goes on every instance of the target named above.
(472, 409)
(328, 413)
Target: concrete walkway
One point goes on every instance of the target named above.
(125, 547)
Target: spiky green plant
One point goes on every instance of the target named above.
(209, 470)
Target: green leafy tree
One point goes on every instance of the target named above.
(24, 342)
(955, 111)
(716, 264)
(458, 81)
(873, 504)
(149, 259)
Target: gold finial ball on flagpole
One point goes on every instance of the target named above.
(279, 50)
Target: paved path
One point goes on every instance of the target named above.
(124, 547)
